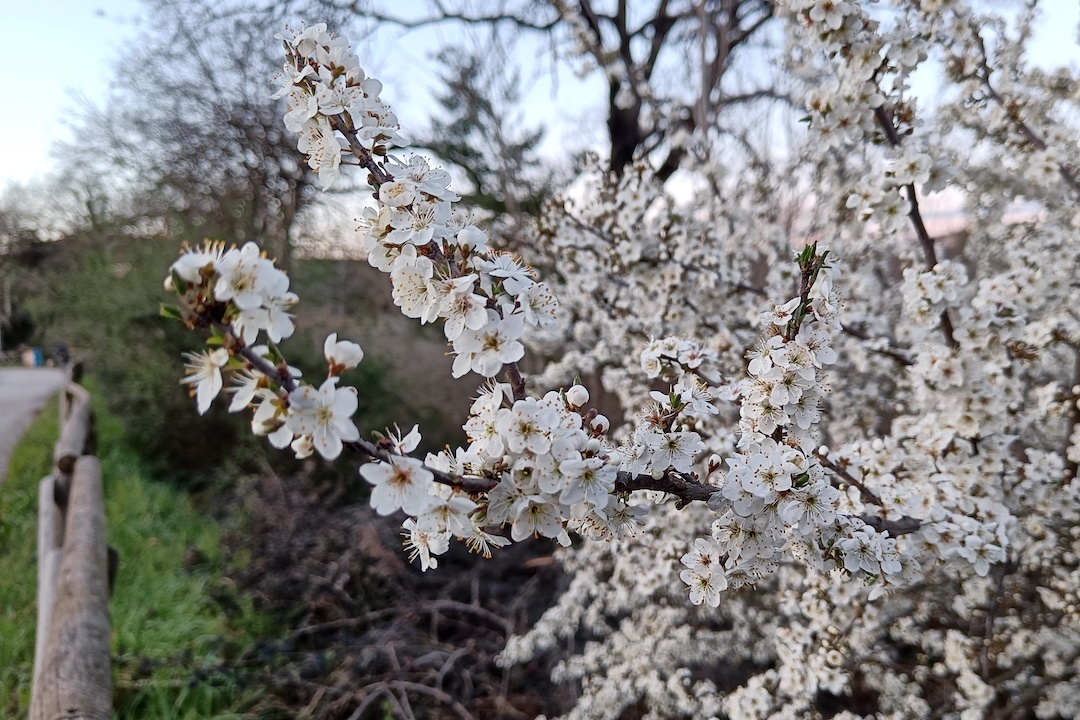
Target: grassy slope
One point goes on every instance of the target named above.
(168, 635)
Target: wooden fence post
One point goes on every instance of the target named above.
(75, 673)
(72, 671)
(50, 534)
(75, 431)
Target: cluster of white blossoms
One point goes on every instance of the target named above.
(775, 495)
(926, 294)
(238, 294)
(920, 438)
(539, 466)
(438, 261)
(329, 90)
(534, 465)
(953, 397)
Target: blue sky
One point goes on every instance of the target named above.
(65, 51)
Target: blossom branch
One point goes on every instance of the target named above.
(868, 495)
(379, 175)
(1013, 112)
(925, 241)
(688, 490)
(685, 488)
(279, 374)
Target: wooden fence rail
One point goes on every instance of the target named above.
(72, 671)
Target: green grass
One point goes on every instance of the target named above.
(30, 461)
(172, 636)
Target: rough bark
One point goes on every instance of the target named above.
(75, 678)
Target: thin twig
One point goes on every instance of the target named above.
(915, 215)
(886, 351)
(404, 685)
(867, 493)
(1013, 112)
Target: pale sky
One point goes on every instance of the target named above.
(58, 52)
(54, 52)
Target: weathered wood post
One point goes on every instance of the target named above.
(72, 672)
(50, 536)
(75, 676)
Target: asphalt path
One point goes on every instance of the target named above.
(23, 394)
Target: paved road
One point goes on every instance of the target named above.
(23, 393)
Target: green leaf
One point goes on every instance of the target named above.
(179, 284)
(170, 311)
(273, 354)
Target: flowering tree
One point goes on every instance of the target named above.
(847, 486)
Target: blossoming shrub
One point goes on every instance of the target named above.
(847, 488)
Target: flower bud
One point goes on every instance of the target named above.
(341, 355)
(577, 396)
(600, 424)
(472, 238)
(169, 287)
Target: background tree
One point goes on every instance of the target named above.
(480, 131)
(198, 140)
(670, 67)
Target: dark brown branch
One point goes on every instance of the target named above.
(689, 490)
(362, 10)
(593, 22)
(517, 380)
(280, 375)
(741, 33)
(661, 24)
(896, 355)
(378, 173)
(904, 526)
(751, 95)
(686, 489)
(1074, 420)
(868, 495)
(925, 241)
